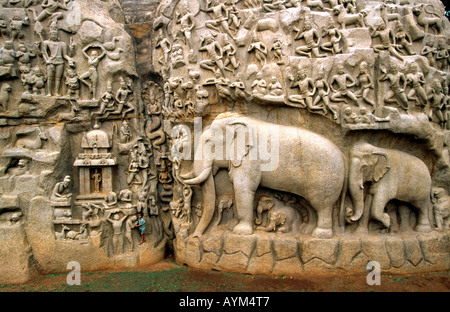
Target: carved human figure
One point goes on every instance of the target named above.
(16, 24)
(277, 48)
(403, 39)
(259, 85)
(229, 52)
(117, 238)
(177, 58)
(340, 84)
(442, 55)
(272, 5)
(133, 169)
(312, 39)
(323, 91)
(436, 98)
(397, 85)
(50, 8)
(5, 95)
(110, 201)
(429, 51)
(335, 35)
(234, 21)
(122, 98)
(306, 88)
(107, 102)
(125, 133)
(215, 52)
(129, 225)
(387, 39)
(416, 80)
(97, 179)
(24, 56)
(7, 59)
(92, 74)
(259, 49)
(220, 17)
(72, 83)
(91, 211)
(54, 53)
(59, 193)
(26, 78)
(187, 199)
(441, 208)
(274, 87)
(364, 82)
(166, 47)
(185, 18)
(38, 81)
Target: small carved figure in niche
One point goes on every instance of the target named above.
(259, 85)
(3, 26)
(259, 49)
(344, 18)
(403, 39)
(340, 84)
(387, 39)
(22, 167)
(397, 84)
(323, 90)
(117, 239)
(277, 48)
(274, 87)
(72, 83)
(54, 53)
(215, 52)
(16, 24)
(436, 98)
(364, 81)
(125, 133)
(349, 117)
(229, 52)
(38, 81)
(5, 95)
(312, 39)
(97, 179)
(272, 5)
(423, 20)
(26, 78)
(442, 56)
(306, 88)
(416, 79)
(24, 56)
(129, 225)
(92, 74)
(166, 48)
(59, 193)
(125, 195)
(185, 18)
(7, 59)
(335, 35)
(122, 96)
(220, 14)
(441, 208)
(429, 51)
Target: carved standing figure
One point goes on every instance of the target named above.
(92, 74)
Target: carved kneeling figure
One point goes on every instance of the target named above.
(280, 217)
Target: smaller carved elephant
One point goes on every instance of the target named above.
(280, 217)
(441, 208)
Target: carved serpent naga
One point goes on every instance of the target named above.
(153, 95)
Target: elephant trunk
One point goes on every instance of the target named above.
(201, 178)
(258, 219)
(356, 188)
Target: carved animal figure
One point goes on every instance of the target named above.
(426, 21)
(31, 139)
(5, 94)
(279, 216)
(11, 217)
(61, 215)
(62, 235)
(441, 208)
(392, 174)
(77, 235)
(225, 202)
(314, 169)
(344, 18)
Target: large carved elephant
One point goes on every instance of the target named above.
(309, 165)
(392, 174)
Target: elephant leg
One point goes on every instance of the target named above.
(363, 222)
(404, 212)
(324, 228)
(379, 202)
(423, 222)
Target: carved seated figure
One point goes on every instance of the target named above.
(59, 195)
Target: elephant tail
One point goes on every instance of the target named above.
(341, 207)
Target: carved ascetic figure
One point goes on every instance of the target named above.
(322, 191)
(392, 174)
(54, 53)
(259, 85)
(93, 60)
(312, 39)
(60, 192)
(129, 225)
(279, 217)
(117, 238)
(277, 48)
(259, 49)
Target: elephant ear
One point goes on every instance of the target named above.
(240, 139)
(382, 165)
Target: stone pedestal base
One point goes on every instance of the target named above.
(270, 253)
